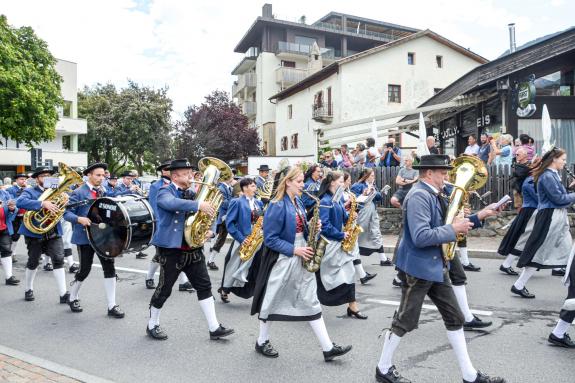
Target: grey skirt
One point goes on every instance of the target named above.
(368, 219)
(236, 271)
(291, 290)
(336, 267)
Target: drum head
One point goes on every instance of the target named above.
(109, 232)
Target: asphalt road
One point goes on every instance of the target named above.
(119, 350)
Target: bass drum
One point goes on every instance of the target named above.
(120, 224)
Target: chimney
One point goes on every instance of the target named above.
(267, 11)
(512, 46)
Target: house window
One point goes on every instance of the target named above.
(437, 90)
(284, 143)
(394, 93)
(67, 110)
(290, 111)
(411, 58)
(288, 64)
(318, 99)
(293, 144)
(439, 61)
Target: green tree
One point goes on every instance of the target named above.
(29, 86)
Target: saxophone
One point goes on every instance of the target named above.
(351, 227)
(253, 241)
(318, 245)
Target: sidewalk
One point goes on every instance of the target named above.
(478, 247)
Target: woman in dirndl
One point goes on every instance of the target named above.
(546, 242)
(370, 240)
(285, 290)
(243, 212)
(336, 275)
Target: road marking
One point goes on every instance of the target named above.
(427, 307)
(129, 270)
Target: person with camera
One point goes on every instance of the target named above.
(391, 154)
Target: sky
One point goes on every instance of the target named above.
(187, 45)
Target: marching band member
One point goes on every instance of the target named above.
(175, 256)
(16, 191)
(422, 269)
(559, 336)
(336, 275)
(263, 174)
(363, 275)
(371, 239)
(312, 180)
(8, 214)
(49, 243)
(131, 185)
(242, 214)
(285, 290)
(77, 215)
(546, 242)
(221, 231)
(112, 185)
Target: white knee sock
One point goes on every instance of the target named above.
(110, 287)
(318, 327)
(524, 277)
(360, 271)
(461, 296)
(152, 268)
(183, 278)
(457, 340)
(463, 256)
(75, 290)
(69, 260)
(508, 261)
(30, 275)
(7, 266)
(209, 310)
(154, 317)
(382, 257)
(264, 332)
(60, 276)
(389, 347)
(561, 328)
(213, 254)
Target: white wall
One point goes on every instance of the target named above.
(69, 87)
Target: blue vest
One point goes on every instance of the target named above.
(239, 218)
(280, 225)
(552, 193)
(28, 200)
(333, 216)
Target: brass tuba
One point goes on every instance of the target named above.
(351, 227)
(469, 173)
(42, 221)
(199, 223)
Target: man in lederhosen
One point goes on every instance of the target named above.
(16, 191)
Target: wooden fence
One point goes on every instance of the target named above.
(498, 182)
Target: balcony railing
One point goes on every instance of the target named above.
(289, 76)
(249, 108)
(322, 112)
(245, 81)
(72, 125)
(304, 50)
(360, 31)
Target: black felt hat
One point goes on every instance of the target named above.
(434, 161)
(42, 170)
(179, 164)
(264, 168)
(163, 165)
(113, 177)
(97, 165)
(20, 175)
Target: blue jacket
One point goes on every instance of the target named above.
(333, 216)
(419, 253)
(239, 218)
(28, 200)
(171, 217)
(153, 193)
(552, 193)
(121, 188)
(311, 187)
(227, 196)
(260, 181)
(358, 189)
(280, 225)
(9, 216)
(529, 193)
(15, 191)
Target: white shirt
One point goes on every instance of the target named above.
(433, 188)
(252, 203)
(472, 149)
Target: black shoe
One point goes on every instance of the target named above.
(157, 333)
(524, 293)
(65, 298)
(471, 267)
(74, 268)
(558, 273)
(221, 332)
(395, 283)
(482, 378)
(223, 295)
(561, 342)
(387, 262)
(141, 255)
(75, 306)
(29, 295)
(115, 312)
(150, 284)
(336, 351)
(212, 266)
(48, 267)
(392, 376)
(508, 270)
(367, 278)
(186, 287)
(12, 281)
(267, 349)
(476, 323)
(356, 314)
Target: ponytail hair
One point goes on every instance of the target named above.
(291, 175)
(326, 182)
(546, 161)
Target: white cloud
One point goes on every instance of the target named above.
(188, 45)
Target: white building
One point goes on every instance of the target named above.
(16, 157)
(390, 78)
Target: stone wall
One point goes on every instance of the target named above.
(390, 221)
